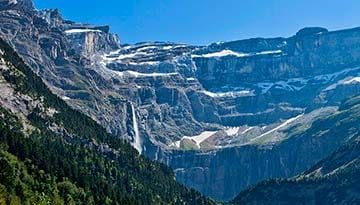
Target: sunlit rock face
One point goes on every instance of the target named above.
(25, 5)
(230, 110)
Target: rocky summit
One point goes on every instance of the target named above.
(223, 116)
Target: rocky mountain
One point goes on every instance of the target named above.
(223, 116)
(52, 154)
(334, 180)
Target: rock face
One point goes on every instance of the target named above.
(46, 139)
(214, 113)
(238, 166)
(333, 180)
(19, 4)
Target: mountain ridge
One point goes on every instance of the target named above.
(197, 109)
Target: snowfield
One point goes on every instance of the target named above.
(354, 80)
(284, 124)
(130, 73)
(228, 94)
(227, 52)
(72, 31)
(200, 138)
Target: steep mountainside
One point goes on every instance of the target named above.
(52, 154)
(338, 186)
(206, 111)
(334, 180)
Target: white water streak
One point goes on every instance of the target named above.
(137, 140)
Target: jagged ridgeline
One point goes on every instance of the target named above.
(52, 154)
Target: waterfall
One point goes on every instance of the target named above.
(137, 140)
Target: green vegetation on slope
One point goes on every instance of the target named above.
(334, 180)
(81, 165)
(340, 185)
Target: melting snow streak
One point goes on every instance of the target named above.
(286, 123)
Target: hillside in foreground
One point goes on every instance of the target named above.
(51, 154)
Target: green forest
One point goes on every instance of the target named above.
(82, 165)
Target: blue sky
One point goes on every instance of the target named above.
(206, 21)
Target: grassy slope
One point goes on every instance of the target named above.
(334, 180)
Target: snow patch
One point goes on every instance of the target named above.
(72, 31)
(232, 131)
(247, 130)
(293, 84)
(13, 1)
(354, 80)
(145, 63)
(135, 74)
(228, 94)
(269, 52)
(167, 47)
(296, 84)
(147, 48)
(200, 138)
(284, 124)
(227, 52)
(265, 87)
(180, 46)
(331, 76)
(346, 81)
(176, 144)
(220, 54)
(112, 57)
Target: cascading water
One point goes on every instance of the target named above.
(137, 139)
